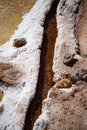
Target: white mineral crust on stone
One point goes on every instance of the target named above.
(66, 108)
(27, 59)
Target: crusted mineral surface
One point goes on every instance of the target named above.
(19, 67)
(65, 107)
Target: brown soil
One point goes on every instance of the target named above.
(1, 95)
(10, 16)
(82, 29)
(45, 80)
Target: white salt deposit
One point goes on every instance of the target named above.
(27, 59)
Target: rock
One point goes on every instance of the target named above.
(19, 42)
(4, 66)
(66, 46)
(64, 83)
(85, 77)
(1, 108)
(81, 74)
(20, 66)
(1, 95)
(69, 59)
(8, 73)
(65, 109)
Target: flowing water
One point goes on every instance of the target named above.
(11, 12)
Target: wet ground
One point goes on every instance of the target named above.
(45, 80)
(11, 12)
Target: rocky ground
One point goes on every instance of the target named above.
(82, 29)
(19, 67)
(65, 107)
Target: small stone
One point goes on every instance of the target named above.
(1, 95)
(64, 83)
(1, 108)
(19, 42)
(85, 77)
(82, 74)
(69, 59)
(8, 73)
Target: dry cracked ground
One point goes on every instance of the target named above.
(43, 69)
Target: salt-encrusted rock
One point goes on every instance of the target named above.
(65, 107)
(26, 59)
(64, 83)
(69, 59)
(81, 31)
(67, 51)
(9, 75)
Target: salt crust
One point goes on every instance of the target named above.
(27, 59)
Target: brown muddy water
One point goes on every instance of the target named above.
(45, 80)
(11, 12)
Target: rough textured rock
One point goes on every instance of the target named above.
(67, 50)
(82, 29)
(26, 59)
(69, 59)
(19, 42)
(9, 75)
(65, 107)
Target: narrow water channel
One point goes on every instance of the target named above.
(45, 80)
